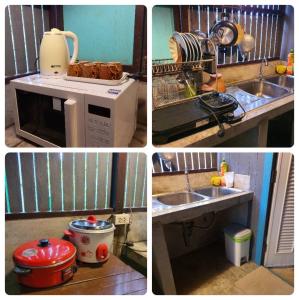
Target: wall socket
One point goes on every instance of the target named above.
(121, 219)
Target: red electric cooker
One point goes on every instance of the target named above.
(45, 263)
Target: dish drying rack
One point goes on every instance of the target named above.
(162, 67)
(168, 70)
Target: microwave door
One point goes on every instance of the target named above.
(41, 116)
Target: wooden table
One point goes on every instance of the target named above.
(111, 278)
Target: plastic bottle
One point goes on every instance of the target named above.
(223, 167)
(290, 65)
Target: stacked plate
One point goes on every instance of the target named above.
(185, 47)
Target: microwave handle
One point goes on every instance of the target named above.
(71, 123)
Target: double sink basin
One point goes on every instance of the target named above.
(262, 91)
(201, 194)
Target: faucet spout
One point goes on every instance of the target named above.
(188, 185)
(264, 62)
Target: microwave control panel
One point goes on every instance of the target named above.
(99, 126)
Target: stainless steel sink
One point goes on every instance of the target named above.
(263, 89)
(215, 192)
(179, 198)
(283, 80)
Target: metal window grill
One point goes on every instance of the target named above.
(264, 22)
(181, 161)
(24, 28)
(57, 182)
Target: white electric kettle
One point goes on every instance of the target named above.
(54, 55)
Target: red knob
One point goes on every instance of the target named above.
(102, 252)
(91, 219)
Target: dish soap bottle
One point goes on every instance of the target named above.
(290, 66)
(223, 167)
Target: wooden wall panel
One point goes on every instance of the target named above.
(90, 187)
(68, 180)
(12, 175)
(28, 181)
(129, 191)
(16, 19)
(63, 181)
(141, 173)
(101, 182)
(108, 178)
(105, 163)
(135, 190)
(29, 32)
(37, 15)
(42, 181)
(80, 179)
(57, 199)
(9, 56)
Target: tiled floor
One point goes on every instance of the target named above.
(207, 272)
(12, 140)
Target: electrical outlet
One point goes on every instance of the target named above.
(121, 219)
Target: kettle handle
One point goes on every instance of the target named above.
(75, 42)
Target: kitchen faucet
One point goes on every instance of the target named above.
(188, 186)
(265, 61)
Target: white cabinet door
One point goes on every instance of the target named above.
(280, 238)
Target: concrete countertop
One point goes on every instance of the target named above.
(252, 119)
(165, 214)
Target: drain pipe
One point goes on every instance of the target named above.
(187, 232)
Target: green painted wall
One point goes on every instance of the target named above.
(163, 27)
(105, 32)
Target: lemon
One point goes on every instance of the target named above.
(215, 180)
(281, 69)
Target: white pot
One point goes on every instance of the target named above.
(93, 239)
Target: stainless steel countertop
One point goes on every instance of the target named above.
(160, 210)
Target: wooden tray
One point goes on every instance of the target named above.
(120, 81)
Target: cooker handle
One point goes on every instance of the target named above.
(69, 233)
(21, 271)
(102, 251)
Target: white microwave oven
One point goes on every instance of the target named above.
(54, 112)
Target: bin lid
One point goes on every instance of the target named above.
(237, 231)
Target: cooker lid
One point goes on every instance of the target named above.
(44, 253)
(91, 223)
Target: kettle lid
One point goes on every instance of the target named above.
(54, 31)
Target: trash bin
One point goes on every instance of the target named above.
(237, 242)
